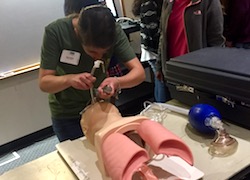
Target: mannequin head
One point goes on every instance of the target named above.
(97, 116)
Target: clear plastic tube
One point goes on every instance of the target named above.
(174, 108)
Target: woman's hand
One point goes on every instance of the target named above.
(108, 87)
(49, 82)
(229, 44)
(159, 76)
(83, 81)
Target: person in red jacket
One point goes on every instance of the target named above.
(186, 26)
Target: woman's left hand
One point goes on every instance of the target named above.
(108, 87)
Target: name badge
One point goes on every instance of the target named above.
(70, 57)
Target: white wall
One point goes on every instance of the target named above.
(23, 107)
(21, 30)
(118, 4)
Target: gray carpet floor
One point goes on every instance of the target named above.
(28, 154)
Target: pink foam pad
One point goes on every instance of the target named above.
(162, 141)
(122, 157)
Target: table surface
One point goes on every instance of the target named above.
(53, 166)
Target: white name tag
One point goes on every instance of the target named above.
(70, 57)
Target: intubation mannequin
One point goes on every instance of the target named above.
(119, 157)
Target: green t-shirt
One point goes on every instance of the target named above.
(60, 37)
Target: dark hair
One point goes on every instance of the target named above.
(75, 6)
(96, 27)
(136, 6)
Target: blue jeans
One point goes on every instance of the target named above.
(161, 93)
(67, 128)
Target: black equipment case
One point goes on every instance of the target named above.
(216, 76)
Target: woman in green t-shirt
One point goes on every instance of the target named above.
(70, 47)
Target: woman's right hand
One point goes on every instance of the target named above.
(159, 75)
(229, 44)
(83, 81)
(50, 83)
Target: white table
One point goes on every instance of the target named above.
(52, 166)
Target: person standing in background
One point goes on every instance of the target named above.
(149, 12)
(238, 33)
(186, 26)
(70, 47)
(224, 6)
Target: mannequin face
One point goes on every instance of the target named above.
(97, 116)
